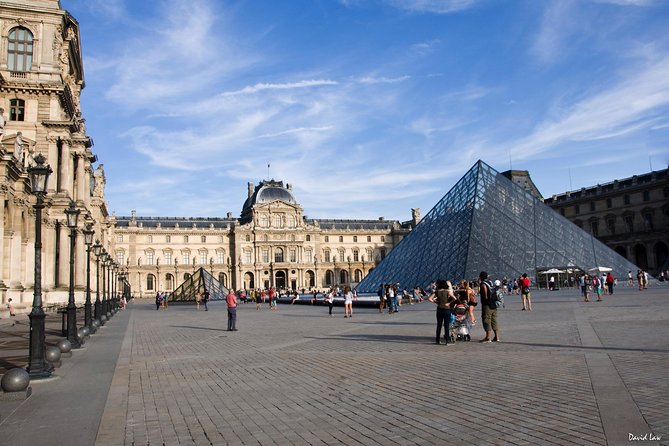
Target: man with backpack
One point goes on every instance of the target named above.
(488, 308)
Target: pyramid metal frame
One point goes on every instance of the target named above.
(198, 282)
(488, 223)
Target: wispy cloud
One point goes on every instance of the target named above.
(627, 106)
(286, 86)
(382, 80)
(107, 8)
(434, 6)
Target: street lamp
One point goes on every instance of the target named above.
(108, 262)
(88, 241)
(97, 250)
(72, 214)
(114, 286)
(38, 367)
(103, 262)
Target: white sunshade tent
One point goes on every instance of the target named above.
(600, 269)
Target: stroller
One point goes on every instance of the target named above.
(460, 323)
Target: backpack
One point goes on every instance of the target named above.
(496, 297)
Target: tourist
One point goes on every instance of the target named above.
(329, 299)
(10, 307)
(610, 280)
(390, 298)
(271, 293)
(640, 277)
(159, 300)
(488, 308)
(123, 302)
(231, 300)
(348, 302)
(630, 280)
(551, 283)
(198, 299)
(645, 280)
(468, 295)
(295, 297)
(165, 296)
(382, 297)
(583, 283)
(258, 300)
(205, 299)
(526, 295)
(597, 287)
(443, 296)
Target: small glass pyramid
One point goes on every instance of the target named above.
(198, 282)
(488, 223)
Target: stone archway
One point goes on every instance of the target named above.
(641, 257)
(280, 279)
(249, 281)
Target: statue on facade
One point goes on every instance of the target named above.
(99, 190)
(18, 147)
(2, 122)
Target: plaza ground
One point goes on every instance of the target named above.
(568, 372)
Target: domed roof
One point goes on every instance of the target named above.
(267, 192)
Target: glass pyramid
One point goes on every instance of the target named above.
(488, 223)
(199, 281)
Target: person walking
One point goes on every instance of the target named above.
(488, 308)
(159, 300)
(525, 292)
(382, 297)
(198, 299)
(348, 302)
(231, 300)
(443, 296)
(329, 299)
(583, 283)
(205, 299)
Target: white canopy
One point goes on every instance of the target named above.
(552, 271)
(600, 269)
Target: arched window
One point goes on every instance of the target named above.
(17, 110)
(150, 282)
(223, 279)
(19, 49)
(358, 276)
(329, 278)
(186, 276)
(169, 281)
(278, 255)
(343, 276)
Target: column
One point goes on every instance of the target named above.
(64, 257)
(80, 262)
(4, 279)
(87, 187)
(81, 178)
(15, 248)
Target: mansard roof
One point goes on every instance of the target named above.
(176, 222)
(268, 191)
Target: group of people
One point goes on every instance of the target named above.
(446, 296)
(598, 285)
(392, 295)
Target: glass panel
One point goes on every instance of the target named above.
(198, 282)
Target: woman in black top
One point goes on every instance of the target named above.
(443, 296)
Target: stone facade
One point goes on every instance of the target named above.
(630, 215)
(272, 243)
(41, 79)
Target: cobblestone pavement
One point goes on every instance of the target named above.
(568, 372)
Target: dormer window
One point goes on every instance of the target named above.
(17, 110)
(19, 49)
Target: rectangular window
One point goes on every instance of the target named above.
(168, 239)
(265, 255)
(149, 239)
(307, 257)
(119, 238)
(383, 238)
(293, 255)
(17, 110)
(327, 256)
(203, 239)
(594, 228)
(168, 258)
(382, 251)
(355, 256)
(327, 239)
(185, 258)
(120, 258)
(355, 239)
(626, 199)
(341, 256)
(369, 238)
(611, 226)
(577, 209)
(149, 258)
(203, 258)
(646, 195)
(341, 239)
(221, 257)
(592, 206)
(247, 257)
(609, 203)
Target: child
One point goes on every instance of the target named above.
(10, 307)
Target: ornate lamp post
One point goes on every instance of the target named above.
(88, 241)
(103, 261)
(114, 286)
(97, 250)
(38, 367)
(72, 214)
(107, 305)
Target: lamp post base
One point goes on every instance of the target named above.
(72, 326)
(38, 366)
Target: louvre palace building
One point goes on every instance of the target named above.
(271, 244)
(41, 80)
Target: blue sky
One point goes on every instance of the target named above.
(368, 107)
